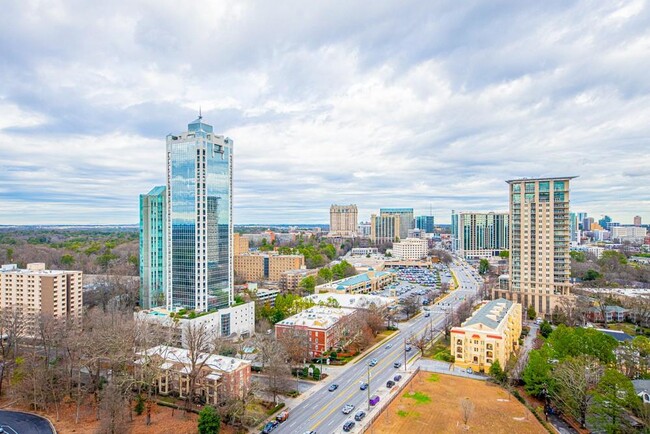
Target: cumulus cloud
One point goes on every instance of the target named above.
(403, 103)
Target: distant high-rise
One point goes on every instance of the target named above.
(637, 220)
(343, 220)
(604, 222)
(539, 243)
(153, 238)
(384, 228)
(425, 222)
(479, 235)
(573, 227)
(406, 221)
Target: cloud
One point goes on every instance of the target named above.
(399, 104)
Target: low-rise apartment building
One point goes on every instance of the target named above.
(325, 327)
(361, 283)
(253, 267)
(219, 377)
(491, 333)
(35, 291)
(290, 279)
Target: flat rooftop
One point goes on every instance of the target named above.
(317, 317)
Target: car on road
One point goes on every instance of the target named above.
(396, 378)
(309, 432)
(363, 386)
(333, 387)
(373, 362)
(389, 346)
(347, 409)
(270, 427)
(360, 415)
(347, 426)
(397, 364)
(408, 348)
(427, 314)
(390, 383)
(282, 416)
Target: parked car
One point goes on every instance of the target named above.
(270, 427)
(373, 362)
(397, 364)
(348, 409)
(360, 415)
(390, 383)
(282, 416)
(374, 399)
(396, 378)
(363, 386)
(347, 426)
(333, 387)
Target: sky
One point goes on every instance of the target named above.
(429, 105)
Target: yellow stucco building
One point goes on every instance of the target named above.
(491, 333)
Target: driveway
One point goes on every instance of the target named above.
(15, 422)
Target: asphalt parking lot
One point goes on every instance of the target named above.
(15, 422)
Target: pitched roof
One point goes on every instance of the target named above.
(491, 314)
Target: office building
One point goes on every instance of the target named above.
(581, 217)
(573, 227)
(416, 233)
(406, 221)
(634, 234)
(479, 235)
(425, 222)
(153, 239)
(363, 229)
(540, 265)
(343, 221)
(384, 228)
(34, 291)
(637, 220)
(604, 222)
(253, 267)
(490, 334)
(363, 283)
(240, 244)
(586, 223)
(411, 249)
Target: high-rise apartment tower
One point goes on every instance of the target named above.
(343, 220)
(539, 243)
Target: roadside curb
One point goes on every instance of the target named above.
(34, 414)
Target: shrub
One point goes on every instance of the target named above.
(139, 405)
(209, 421)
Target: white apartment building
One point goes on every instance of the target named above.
(411, 248)
(635, 234)
(35, 290)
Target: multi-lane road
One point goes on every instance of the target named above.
(322, 413)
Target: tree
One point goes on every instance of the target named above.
(67, 260)
(578, 256)
(591, 274)
(572, 342)
(277, 371)
(498, 373)
(613, 397)
(200, 347)
(325, 274)
(483, 266)
(545, 329)
(504, 254)
(537, 374)
(411, 306)
(308, 284)
(466, 409)
(209, 421)
(530, 312)
(576, 378)
(445, 257)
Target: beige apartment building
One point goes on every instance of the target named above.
(540, 239)
(290, 279)
(491, 333)
(253, 267)
(343, 221)
(35, 290)
(411, 249)
(240, 244)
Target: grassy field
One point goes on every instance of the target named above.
(432, 403)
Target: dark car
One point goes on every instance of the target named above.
(390, 383)
(348, 426)
(363, 386)
(360, 415)
(269, 427)
(396, 378)
(333, 387)
(408, 348)
(397, 364)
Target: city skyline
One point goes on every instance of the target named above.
(402, 105)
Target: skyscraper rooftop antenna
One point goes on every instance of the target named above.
(200, 117)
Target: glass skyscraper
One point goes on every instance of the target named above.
(153, 214)
(186, 226)
(425, 222)
(199, 219)
(479, 234)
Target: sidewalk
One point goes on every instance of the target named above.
(441, 367)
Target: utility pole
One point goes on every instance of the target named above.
(404, 354)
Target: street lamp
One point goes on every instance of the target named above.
(368, 388)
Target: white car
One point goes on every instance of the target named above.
(348, 409)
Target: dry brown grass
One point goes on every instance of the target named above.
(494, 410)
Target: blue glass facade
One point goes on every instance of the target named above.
(199, 180)
(425, 222)
(152, 247)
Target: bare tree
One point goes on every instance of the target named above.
(278, 373)
(12, 331)
(411, 306)
(466, 410)
(296, 345)
(576, 378)
(200, 346)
